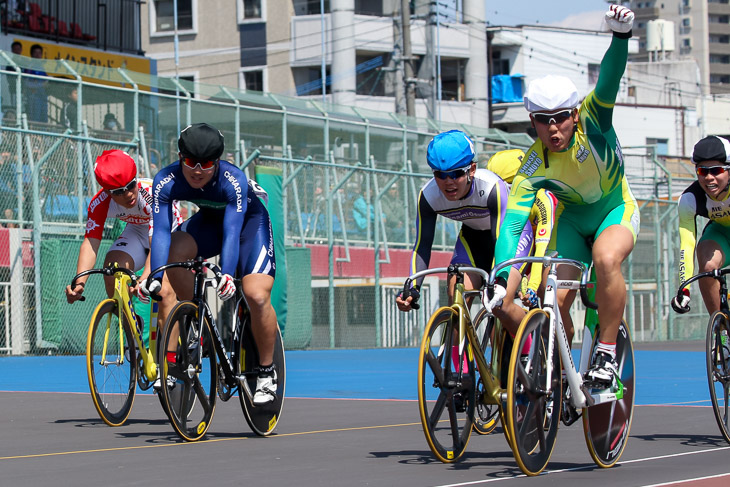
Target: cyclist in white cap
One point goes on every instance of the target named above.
(578, 158)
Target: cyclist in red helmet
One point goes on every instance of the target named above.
(128, 198)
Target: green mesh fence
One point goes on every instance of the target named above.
(350, 181)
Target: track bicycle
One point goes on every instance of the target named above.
(534, 386)
(203, 367)
(459, 368)
(116, 357)
(717, 351)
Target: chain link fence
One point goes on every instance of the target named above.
(349, 185)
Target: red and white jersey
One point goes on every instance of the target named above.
(102, 206)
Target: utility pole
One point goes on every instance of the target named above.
(396, 64)
(405, 12)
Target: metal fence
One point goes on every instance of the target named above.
(350, 181)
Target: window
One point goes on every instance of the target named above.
(718, 19)
(720, 39)
(162, 17)
(662, 145)
(593, 71)
(720, 78)
(170, 88)
(251, 10)
(720, 58)
(252, 80)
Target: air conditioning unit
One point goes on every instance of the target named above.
(347, 152)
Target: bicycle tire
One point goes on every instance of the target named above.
(718, 370)
(189, 398)
(261, 419)
(532, 432)
(112, 383)
(607, 426)
(447, 421)
(486, 416)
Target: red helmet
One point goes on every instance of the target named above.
(114, 169)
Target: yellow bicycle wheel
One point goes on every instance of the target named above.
(446, 387)
(111, 363)
(532, 431)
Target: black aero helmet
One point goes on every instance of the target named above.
(201, 141)
(712, 148)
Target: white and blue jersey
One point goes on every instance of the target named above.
(232, 221)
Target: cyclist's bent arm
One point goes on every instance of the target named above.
(519, 204)
(687, 235)
(87, 256)
(232, 225)
(425, 232)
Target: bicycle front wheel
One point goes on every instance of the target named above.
(446, 387)
(486, 416)
(111, 364)
(532, 415)
(718, 369)
(190, 381)
(606, 426)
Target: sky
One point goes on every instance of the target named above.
(581, 14)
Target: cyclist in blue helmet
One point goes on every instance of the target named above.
(478, 199)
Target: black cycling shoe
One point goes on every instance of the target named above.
(459, 402)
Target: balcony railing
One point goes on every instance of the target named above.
(103, 24)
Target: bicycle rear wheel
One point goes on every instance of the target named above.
(606, 426)
(486, 416)
(446, 387)
(263, 418)
(111, 368)
(189, 383)
(532, 431)
(718, 369)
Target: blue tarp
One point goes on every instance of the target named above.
(506, 88)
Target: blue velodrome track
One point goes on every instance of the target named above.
(663, 377)
(350, 418)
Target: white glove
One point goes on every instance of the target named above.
(146, 287)
(619, 19)
(226, 287)
(681, 304)
(499, 293)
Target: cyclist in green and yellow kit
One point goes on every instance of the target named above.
(578, 158)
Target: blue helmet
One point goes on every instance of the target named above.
(450, 150)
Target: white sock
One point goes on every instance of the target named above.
(608, 348)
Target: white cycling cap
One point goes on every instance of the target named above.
(550, 93)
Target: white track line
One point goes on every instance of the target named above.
(696, 479)
(591, 466)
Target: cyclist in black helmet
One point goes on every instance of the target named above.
(232, 222)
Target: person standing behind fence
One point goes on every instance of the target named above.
(708, 197)
(17, 49)
(477, 198)
(36, 98)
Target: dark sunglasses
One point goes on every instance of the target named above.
(455, 174)
(551, 118)
(124, 189)
(194, 163)
(713, 170)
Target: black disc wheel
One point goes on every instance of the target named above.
(718, 369)
(446, 387)
(189, 382)
(533, 396)
(607, 425)
(111, 364)
(262, 418)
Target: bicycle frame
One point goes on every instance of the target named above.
(494, 393)
(201, 282)
(122, 279)
(580, 396)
